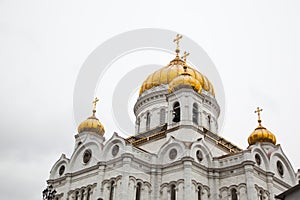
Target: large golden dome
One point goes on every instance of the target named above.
(261, 134)
(92, 124)
(174, 69)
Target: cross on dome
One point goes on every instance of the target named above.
(177, 40)
(95, 104)
(258, 110)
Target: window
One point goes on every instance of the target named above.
(111, 194)
(88, 195)
(138, 123)
(173, 192)
(138, 191)
(234, 194)
(199, 192)
(176, 112)
(195, 113)
(162, 116)
(208, 121)
(261, 197)
(148, 121)
(82, 194)
(76, 195)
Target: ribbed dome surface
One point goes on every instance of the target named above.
(175, 68)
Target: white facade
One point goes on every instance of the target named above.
(168, 158)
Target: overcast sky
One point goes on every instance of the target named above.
(43, 44)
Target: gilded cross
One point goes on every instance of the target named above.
(258, 110)
(185, 55)
(95, 104)
(177, 40)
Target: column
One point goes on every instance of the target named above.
(187, 167)
(251, 193)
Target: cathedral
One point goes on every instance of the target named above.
(175, 153)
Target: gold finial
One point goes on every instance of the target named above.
(184, 56)
(95, 104)
(177, 40)
(258, 110)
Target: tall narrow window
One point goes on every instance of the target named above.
(199, 192)
(82, 194)
(173, 192)
(234, 194)
(138, 123)
(138, 191)
(76, 195)
(111, 194)
(162, 116)
(148, 121)
(195, 113)
(208, 121)
(261, 195)
(176, 112)
(88, 195)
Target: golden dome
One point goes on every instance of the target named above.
(261, 134)
(166, 74)
(92, 124)
(185, 79)
(174, 69)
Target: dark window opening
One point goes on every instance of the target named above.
(162, 116)
(111, 194)
(199, 192)
(148, 121)
(138, 191)
(234, 194)
(195, 113)
(173, 192)
(176, 112)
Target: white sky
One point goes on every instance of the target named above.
(254, 45)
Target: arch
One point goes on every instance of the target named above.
(162, 118)
(195, 114)
(148, 121)
(176, 112)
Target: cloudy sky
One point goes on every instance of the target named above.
(43, 45)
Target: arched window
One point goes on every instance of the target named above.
(261, 195)
(138, 191)
(199, 192)
(208, 121)
(82, 194)
(176, 112)
(148, 121)
(88, 195)
(138, 123)
(173, 192)
(234, 194)
(162, 116)
(195, 113)
(111, 194)
(76, 195)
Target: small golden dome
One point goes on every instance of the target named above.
(261, 134)
(174, 69)
(92, 124)
(185, 79)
